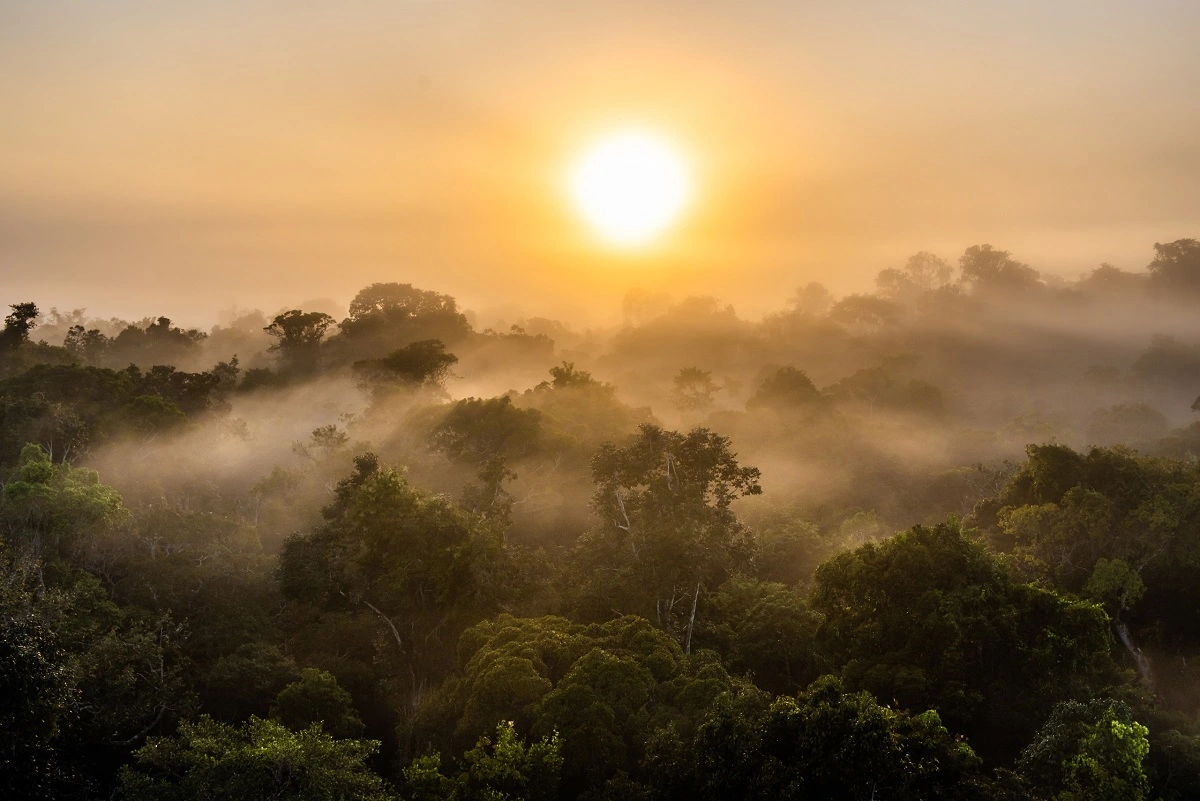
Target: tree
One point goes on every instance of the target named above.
(316, 698)
(1127, 424)
(1176, 266)
(865, 313)
(667, 530)
(419, 364)
(822, 743)
(930, 619)
(477, 429)
(87, 345)
(604, 689)
(1090, 751)
(17, 325)
(47, 508)
(384, 317)
(36, 691)
(417, 567)
(923, 272)
(763, 629)
(488, 434)
(506, 769)
(986, 268)
(785, 389)
(811, 300)
(694, 389)
(159, 342)
(261, 759)
(299, 336)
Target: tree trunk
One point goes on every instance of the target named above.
(1143, 664)
(687, 645)
(388, 620)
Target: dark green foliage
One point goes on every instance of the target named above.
(1090, 751)
(764, 629)
(17, 326)
(824, 743)
(262, 759)
(385, 317)
(929, 619)
(412, 564)
(36, 693)
(506, 770)
(477, 429)
(47, 509)
(604, 688)
(1066, 511)
(419, 364)
(666, 527)
(317, 698)
(159, 343)
(72, 408)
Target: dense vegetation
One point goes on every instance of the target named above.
(304, 558)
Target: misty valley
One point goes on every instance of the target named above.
(940, 540)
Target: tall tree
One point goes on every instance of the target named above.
(17, 325)
(299, 336)
(667, 528)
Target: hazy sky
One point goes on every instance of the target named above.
(159, 156)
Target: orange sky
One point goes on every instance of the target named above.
(178, 158)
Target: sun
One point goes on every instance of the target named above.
(630, 186)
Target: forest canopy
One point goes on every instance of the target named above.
(941, 540)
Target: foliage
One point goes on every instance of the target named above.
(317, 698)
(418, 364)
(261, 759)
(823, 743)
(506, 770)
(667, 529)
(930, 619)
(605, 688)
(1090, 751)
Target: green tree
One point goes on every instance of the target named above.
(424, 364)
(419, 567)
(47, 508)
(506, 769)
(667, 529)
(387, 316)
(488, 434)
(261, 759)
(605, 688)
(317, 698)
(930, 619)
(764, 629)
(823, 743)
(36, 693)
(1090, 751)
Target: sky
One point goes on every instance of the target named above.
(169, 157)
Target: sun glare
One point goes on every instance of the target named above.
(630, 187)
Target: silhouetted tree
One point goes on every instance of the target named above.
(299, 336)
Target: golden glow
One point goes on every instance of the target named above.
(631, 186)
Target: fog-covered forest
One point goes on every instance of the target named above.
(936, 541)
